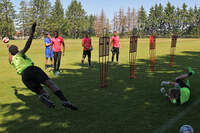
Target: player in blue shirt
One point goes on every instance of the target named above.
(47, 41)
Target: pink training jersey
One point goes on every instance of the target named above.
(86, 43)
(56, 42)
(115, 40)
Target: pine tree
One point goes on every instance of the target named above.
(39, 10)
(107, 26)
(22, 18)
(57, 17)
(169, 19)
(121, 21)
(142, 21)
(134, 19)
(76, 20)
(7, 16)
(184, 18)
(129, 20)
(91, 29)
(151, 21)
(100, 24)
(197, 21)
(115, 22)
(160, 20)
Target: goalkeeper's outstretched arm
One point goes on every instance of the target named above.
(28, 43)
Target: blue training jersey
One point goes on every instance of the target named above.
(47, 41)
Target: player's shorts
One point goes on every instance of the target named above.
(115, 50)
(182, 83)
(47, 52)
(33, 77)
(87, 53)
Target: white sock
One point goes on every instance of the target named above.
(163, 91)
(165, 83)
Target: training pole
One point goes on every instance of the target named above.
(173, 49)
(104, 43)
(152, 51)
(132, 56)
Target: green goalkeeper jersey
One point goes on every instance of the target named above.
(21, 62)
(184, 95)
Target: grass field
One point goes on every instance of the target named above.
(125, 106)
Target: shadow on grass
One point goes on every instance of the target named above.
(124, 106)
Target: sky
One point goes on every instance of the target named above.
(111, 6)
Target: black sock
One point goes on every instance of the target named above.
(60, 95)
(89, 60)
(112, 58)
(190, 74)
(117, 57)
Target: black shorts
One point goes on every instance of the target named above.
(115, 50)
(86, 53)
(182, 83)
(33, 77)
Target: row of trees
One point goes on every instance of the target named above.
(101, 24)
(160, 20)
(164, 21)
(123, 23)
(71, 23)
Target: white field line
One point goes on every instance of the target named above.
(173, 120)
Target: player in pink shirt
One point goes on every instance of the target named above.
(56, 43)
(87, 48)
(115, 46)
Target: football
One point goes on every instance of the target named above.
(5, 39)
(186, 129)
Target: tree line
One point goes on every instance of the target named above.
(70, 23)
(168, 20)
(160, 20)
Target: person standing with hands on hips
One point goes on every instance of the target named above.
(87, 48)
(56, 42)
(115, 46)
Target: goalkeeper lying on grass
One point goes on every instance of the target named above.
(180, 93)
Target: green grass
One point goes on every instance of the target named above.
(125, 106)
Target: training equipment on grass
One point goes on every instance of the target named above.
(186, 129)
(132, 55)
(152, 51)
(104, 43)
(5, 39)
(173, 49)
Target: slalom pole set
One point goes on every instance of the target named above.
(152, 51)
(132, 56)
(173, 49)
(104, 45)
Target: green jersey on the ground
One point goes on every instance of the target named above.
(21, 62)
(184, 95)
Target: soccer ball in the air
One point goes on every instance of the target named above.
(5, 39)
(186, 129)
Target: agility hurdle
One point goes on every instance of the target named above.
(104, 44)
